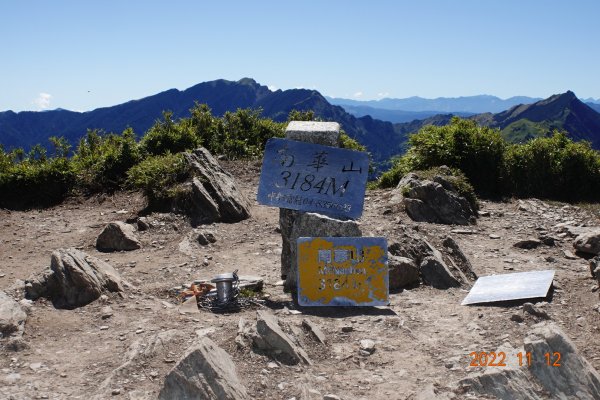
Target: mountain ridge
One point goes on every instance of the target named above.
(27, 128)
(440, 105)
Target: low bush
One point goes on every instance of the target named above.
(551, 167)
(157, 175)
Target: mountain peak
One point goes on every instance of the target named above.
(248, 82)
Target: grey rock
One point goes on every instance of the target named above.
(205, 238)
(410, 246)
(74, 279)
(409, 181)
(214, 193)
(308, 224)
(569, 255)
(530, 243)
(575, 378)
(517, 317)
(507, 384)
(459, 258)
(367, 345)
(205, 371)
(106, 312)
(143, 224)
(436, 202)
(437, 274)
(547, 240)
(325, 133)
(402, 272)
(117, 236)
(530, 308)
(12, 317)
(588, 242)
(314, 330)
(330, 396)
(595, 268)
(272, 339)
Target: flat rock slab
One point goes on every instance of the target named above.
(12, 317)
(271, 338)
(205, 371)
(117, 236)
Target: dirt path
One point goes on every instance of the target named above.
(423, 338)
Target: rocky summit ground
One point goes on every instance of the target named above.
(123, 346)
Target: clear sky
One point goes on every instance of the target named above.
(82, 55)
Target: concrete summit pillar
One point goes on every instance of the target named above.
(295, 224)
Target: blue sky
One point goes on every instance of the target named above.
(82, 55)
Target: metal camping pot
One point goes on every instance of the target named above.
(224, 283)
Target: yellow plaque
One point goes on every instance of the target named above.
(342, 271)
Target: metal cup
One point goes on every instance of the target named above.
(224, 284)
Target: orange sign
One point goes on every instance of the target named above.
(342, 271)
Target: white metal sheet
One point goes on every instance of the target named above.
(516, 286)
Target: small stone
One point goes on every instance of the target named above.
(569, 255)
(347, 328)
(103, 327)
(493, 236)
(35, 366)
(140, 330)
(367, 345)
(331, 397)
(529, 244)
(533, 310)
(116, 392)
(516, 318)
(106, 312)
(272, 365)
(63, 375)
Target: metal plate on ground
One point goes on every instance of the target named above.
(517, 286)
(311, 177)
(342, 271)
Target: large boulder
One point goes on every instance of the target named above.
(588, 242)
(212, 192)
(12, 317)
(117, 236)
(442, 269)
(205, 372)
(74, 279)
(571, 377)
(435, 201)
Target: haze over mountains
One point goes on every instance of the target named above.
(383, 139)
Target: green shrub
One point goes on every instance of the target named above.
(462, 144)
(157, 175)
(35, 183)
(102, 161)
(170, 136)
(554, 168)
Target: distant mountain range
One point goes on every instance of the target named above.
(25, 129)
(441, 105)
(382, 138)
(526, 121)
